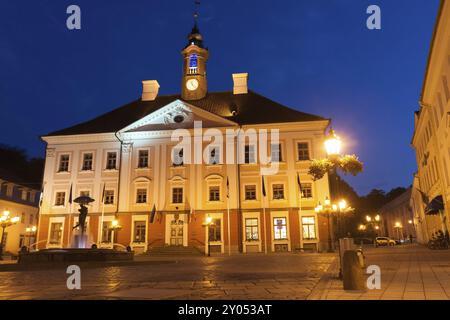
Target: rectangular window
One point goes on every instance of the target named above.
(280, 228)
(139, 231)
(84, 194)
(307, 191)
(106, 232)
(109, 196)
(215, 230)
(249, 154)
(214, 156)
(251, 229)
(24, 195)
(87, 161)
(276, 152)
(111, 161)
(60, 199)
(250, 192)
(31, 219)
(141, 196)
(55, 232)
(178, 157)
(303, 151)
(143, 159)
(214, 193)
(177, 195)
(64, 163)
(309, 228)
(278, 191)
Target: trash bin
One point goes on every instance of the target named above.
(353, 270)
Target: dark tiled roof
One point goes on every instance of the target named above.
(252, 108)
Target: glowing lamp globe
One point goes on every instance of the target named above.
(333, 144)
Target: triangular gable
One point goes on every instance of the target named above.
(167, 117)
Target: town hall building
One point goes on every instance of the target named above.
(145, 200)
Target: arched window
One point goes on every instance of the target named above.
(193, 63)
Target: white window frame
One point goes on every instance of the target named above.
(69, 166)
(280, 214)
(222, 235)
(83, 153)
(310, 153)
(66, 199)
(105, 160)
(55, 220)
(139, 218)
(138, 151)
(252, 215)
(256, 192)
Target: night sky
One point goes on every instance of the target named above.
(313, 55)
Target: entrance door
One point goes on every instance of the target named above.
(176, 232)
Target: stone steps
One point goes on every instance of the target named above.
(174, 251)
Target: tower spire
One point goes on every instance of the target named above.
(195, 38)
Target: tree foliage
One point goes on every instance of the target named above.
(348, 164)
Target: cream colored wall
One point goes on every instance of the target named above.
(162, 176)
(431, 130)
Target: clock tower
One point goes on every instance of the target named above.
(194, 85)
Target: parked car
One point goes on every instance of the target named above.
(384, 241)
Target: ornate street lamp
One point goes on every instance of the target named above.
(333, 145)
(6, 221)
(328, 209)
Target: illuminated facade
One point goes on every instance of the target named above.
(128, 153)
(430, 198)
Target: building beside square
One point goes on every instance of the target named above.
(141, 181)
(20, 201)
(430, 198)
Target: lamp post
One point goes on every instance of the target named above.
(115, 226)
(6, 221)
(328, 209)
(207, 224)
(398, 226)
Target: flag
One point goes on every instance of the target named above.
(299, 185)
(263, 187)
(152, 214)
(103, 193)
(425, 199)
(228, 188)
(70, 194)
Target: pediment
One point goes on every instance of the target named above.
(177, 115)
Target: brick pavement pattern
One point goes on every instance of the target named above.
(408, 272)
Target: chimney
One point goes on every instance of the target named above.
(240, 83)
(150, 90)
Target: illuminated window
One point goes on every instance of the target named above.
(139, 231)
(177, 195)
(280, 228)
(303, 151)
(109, 196)
(60, 199)
(141, 196)
(55, 232)
(278, 191)
(276, 155)
(64, 163)
(215, 230)
(107, 232)
(250, 192)
(251, 229)
(111, 160)
(249, 154)
(193, 63)
(214, 193)
(307, 191)
(309, 228)
(143, 159)
(87, 162)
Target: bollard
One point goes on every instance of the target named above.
(353, 272)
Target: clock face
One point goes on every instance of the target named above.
(192, 84)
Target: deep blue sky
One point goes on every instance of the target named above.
(313, 55)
